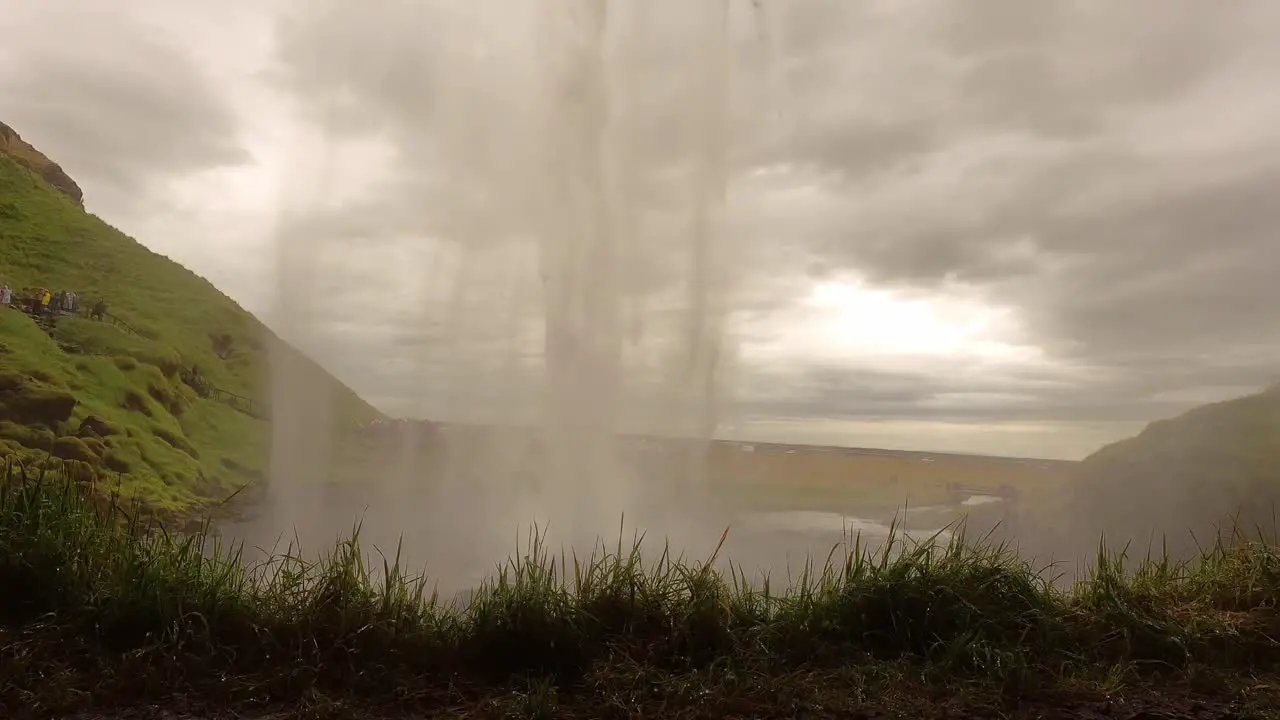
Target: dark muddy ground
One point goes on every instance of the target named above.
(1260, 702)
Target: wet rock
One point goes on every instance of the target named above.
(93, 426)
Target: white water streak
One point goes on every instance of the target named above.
(577, 270)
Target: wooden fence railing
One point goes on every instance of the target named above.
(205, 389)
(248, 406)
(114, 321)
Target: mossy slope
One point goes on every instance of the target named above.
(167, 442)
(1181, 475)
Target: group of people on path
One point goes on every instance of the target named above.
(388, 425)
(46, 302)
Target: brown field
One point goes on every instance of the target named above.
(833, 478)
(801, 477)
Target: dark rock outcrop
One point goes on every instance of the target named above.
(95, 427)
(12, 145)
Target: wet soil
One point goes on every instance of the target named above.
(1149, 705)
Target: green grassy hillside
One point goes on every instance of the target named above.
(113, 394)
(1184, 474)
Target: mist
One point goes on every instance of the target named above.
(568, 270)
(574, 306)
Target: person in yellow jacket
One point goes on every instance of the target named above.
(45, 297)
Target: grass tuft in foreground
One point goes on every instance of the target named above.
(91, 590)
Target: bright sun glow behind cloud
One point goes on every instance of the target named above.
(849, 320)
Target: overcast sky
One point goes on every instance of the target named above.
(995, 226)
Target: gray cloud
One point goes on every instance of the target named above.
(120, 105)
(1045, 154)
(1105, 170)
(880, 396)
